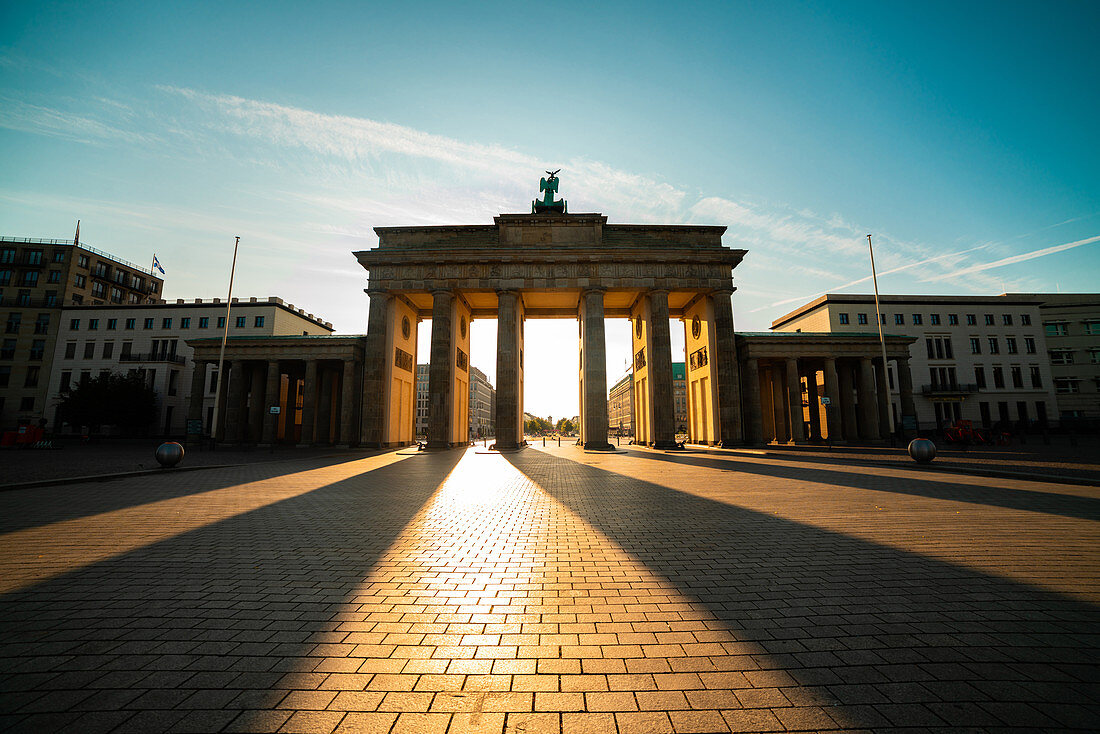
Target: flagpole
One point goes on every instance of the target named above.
(221, 355)
(882, 344)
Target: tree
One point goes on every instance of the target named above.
(110, 399)
(565, 426)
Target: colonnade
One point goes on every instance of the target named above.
(783, 399)
(317, 401)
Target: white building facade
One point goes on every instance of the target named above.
(977, 358)
(150, 339)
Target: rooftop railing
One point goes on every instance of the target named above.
(40, 241)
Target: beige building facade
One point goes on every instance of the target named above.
(977, 358)
(38, 278)
(152, 340)
(620, 406)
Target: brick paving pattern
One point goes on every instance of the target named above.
(549, 590)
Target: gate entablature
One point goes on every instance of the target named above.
(552, 259)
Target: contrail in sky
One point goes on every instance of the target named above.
(1021, 258)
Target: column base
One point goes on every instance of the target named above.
(667, 446)
(593, 446)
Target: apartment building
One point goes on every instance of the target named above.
(620, 402)
(482, 405)
(1071, 325)
(151, 340)
(979, 358)
(38, 278)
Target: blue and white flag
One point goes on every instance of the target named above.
(156, 265)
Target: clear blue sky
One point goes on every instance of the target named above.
(961, 134)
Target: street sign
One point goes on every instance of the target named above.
(274, 410)
(825, 400)
(194, 426)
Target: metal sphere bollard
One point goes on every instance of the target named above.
(169, 454)
(922, 450)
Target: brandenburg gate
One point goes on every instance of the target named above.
(550, 264)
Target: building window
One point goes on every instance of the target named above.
(899, 319)
(843, 319)
(38, 348)
(34, 257)
(917, 319)
(133, 298)
(185, 322)
(74, 324)
(1036, 377)
(861, 318)
(5, 375)
(975, 345)
(112, 324)
(5, 277)
(108, 350)
(1059, 328)
(89, 350)
(213, 381)
(1010, 344)
(93, 324)
(1067, 385)
(1006, 319)
(1061, 356)
(1092, 327)
(934, 319)
(952, 319)
(148, 323)
(131, 323)
(116, 295)
(1029, 345)
(221, 322)
(80, 281)
(1017, 376)
(166, 323)
(82, 261)
(998, 378)
(7, 255)
(66, 380)
(259, 322)
(14, 321)
(979, 377)
(939, 347)
(989, 319)
(70, 350)
(27, 403)
(7, 349)
(127, 350)
(31, 379)
(204, 322)
(1094, 356)
(994, 348)
(971, 319)
(54, 276)
(240, 322)
(98, 290)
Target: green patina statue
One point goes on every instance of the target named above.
(550, 186)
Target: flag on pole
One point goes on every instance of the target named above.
(76, 240)
(156, 265)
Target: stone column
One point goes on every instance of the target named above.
(290, 415)
(375, 360)
(508, 421)
(347, 405)
(309, 403)
(232, 427)
(753, 409)
(660, 372)
(198, 391)
(905, 390)
(794, 401)
(884, 422)
(727, 372)
(441, 372)
(780, 412)
(271, 398)
(847, 405)
(257, 375)
(594, 351)
(323, 432)
(868, 408)
(832, 411)
(815, 405)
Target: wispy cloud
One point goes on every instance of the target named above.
(1019, 258)
(18, 115)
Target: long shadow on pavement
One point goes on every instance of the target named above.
(930, 486)
(36, 506)
(890, 638)
(194, 630)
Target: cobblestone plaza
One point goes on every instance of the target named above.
(549, 590)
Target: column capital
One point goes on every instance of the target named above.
(656, 291)
(723, 290)
(593, 289)
(443, 291)
(372, 292)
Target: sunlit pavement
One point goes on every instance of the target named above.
(549, 590)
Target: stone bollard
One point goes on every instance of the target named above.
(922, 450)
(169, 454)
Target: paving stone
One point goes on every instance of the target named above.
(550, 590)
